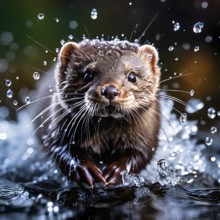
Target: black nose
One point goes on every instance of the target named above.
(109, 92)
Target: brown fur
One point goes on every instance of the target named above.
(102, 122)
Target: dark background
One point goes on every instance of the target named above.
(25, 53)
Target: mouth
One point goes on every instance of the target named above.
(109, 110)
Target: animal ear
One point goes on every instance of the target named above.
(66, 51)
(150, 53)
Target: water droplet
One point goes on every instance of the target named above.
(211, 113)
(46, 51)
(213, 159)
(194, 105)
(208, 39)
(70, 37)
(27, 100)
(9, 93)
(176, 26)
(197, 28)
(99, 120)
(62, 42)
(214, 129)
(130, 3)
(57, 50)
(186, 46)
(94, 14)
(208, 141)
(196, 48)
(40, 16)
(183, 117)
(44, 63)
(73, 24)
(36, 75)
(204, 5)
(15, 102)
(218, 113)
(170, 48)
(192, 92)
(57, 20)
(8, 82)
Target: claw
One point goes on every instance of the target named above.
(112, 174)
(87, 172)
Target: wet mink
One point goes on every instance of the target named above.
(103, 117)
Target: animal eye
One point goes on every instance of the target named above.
(132, 77)
(88, 76)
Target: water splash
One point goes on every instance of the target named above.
(166, 177)
(132, 179)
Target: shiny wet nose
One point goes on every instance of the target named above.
(110, 92)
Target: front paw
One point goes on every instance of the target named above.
(112, 173)
(86, 171)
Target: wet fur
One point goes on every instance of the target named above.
(90, 141)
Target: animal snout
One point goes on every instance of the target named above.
(110, 92)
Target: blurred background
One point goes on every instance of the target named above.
(31, 33)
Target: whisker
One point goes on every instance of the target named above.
(175, 77)
(36, 100)
(48, 118)
(38, 43)
(174, 90)
(151, 22)
(174, 99)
